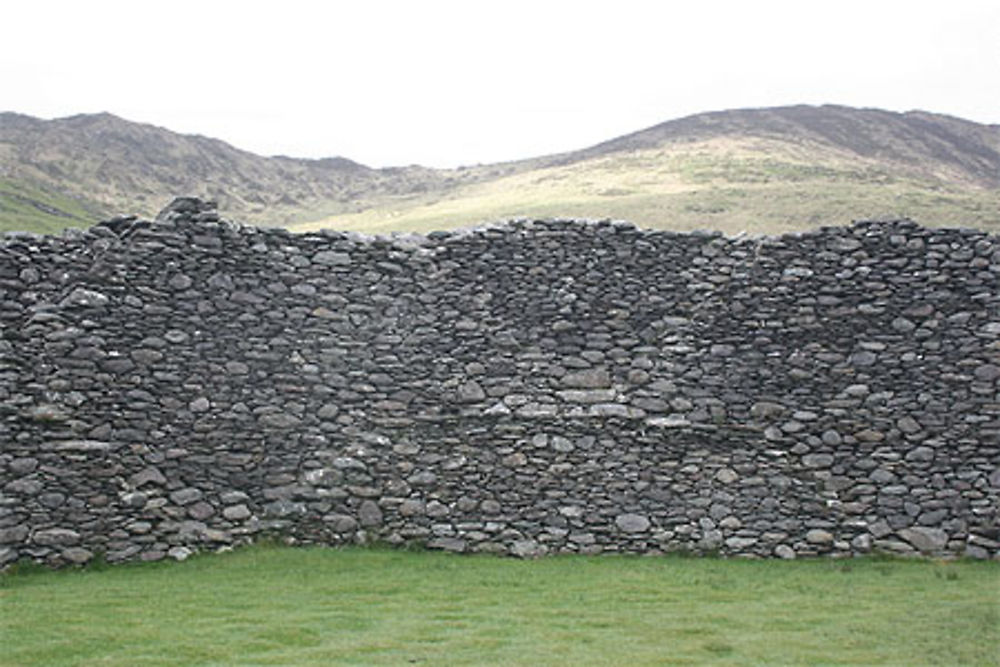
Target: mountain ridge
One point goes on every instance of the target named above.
(77, 169)
(809, 121)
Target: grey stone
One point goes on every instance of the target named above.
(670, 421)
(86, 298)
(925, 539)
(773, 433)
(324, 313)
(369, 514)
(180, 282)
(817, 460)
(862, 543)
(726, 476)
(453, 544)
(784, 551)
(933, 517)
(411, 507)
(186, 496)
(681, 404)
(56, 537)
(200, 510)
(831, 437)
(711, 540)
(328, 411)
(881, 476)
(863, 358)
(908, 425)
(527, 549)
(23, 466)
(14, 534)
(176, 336)
(24, 487)
(903, 325)
(740, 543)
(349, 463)
(237, 512)
(987, 372)
(82, 446)
(490, 507)
(609, 410)
(233, 497)
(237, 368)
(332, 258)
(880, 529)
(515, 460)
(766, 410)
(180, 553)
(147, 476)
(662, 387)
(792, 426)
(587, 395)
(134, 499)
(341, 523)
(632, 523)
(561, 444)
(819, 536)
(279, 420)
(77, 555)
(595, 378)
(199, 404)
(146, 357)
(870, 435)
(920, 455)
(140, 527)
(284, 508)
(971, 551)
(537, 410)
(424, 478)
(471, 392)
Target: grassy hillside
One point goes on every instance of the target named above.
(732, 184)
(754, 170)
(113, 166)
(27, 208)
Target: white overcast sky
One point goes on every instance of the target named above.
(449, 83)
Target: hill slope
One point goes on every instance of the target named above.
(102, 165)
(767, 170)
(756, 170)
(920, 143)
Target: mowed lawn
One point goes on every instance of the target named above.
(279, 605)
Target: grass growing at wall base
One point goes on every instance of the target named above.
(274, 605)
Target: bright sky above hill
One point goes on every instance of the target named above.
(444, 83)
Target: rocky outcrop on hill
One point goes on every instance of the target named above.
(526, 388)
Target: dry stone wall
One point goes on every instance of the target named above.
(529, 388)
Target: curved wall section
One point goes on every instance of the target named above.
(530, 388)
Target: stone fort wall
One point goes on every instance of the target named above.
(529, 388)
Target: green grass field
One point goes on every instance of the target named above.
(274, 605)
